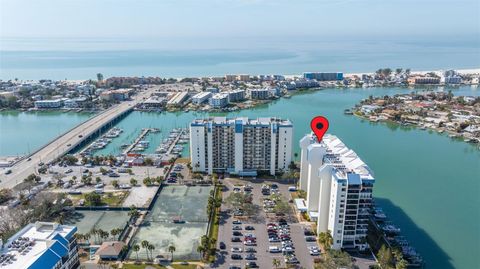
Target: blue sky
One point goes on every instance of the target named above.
(228, 18)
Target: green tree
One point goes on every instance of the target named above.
(99, 77)
(115, 183)
(276, 263)
(171, 249)
(148, 161)
(145, 245)
(385, 258)
(133, 181)
(326, 239)
(93, 199)
(136, 248)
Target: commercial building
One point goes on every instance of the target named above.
(423, 80)
(200, 98)
(178, 98)
(241, 146)
(339, 190)
(46, 104)
(116, 95)
(322, 76)
(41, 245)
(219, 100)
(236, 95)
(259, 94)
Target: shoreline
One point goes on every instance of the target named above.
(466, 71)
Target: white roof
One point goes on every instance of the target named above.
(347, 157)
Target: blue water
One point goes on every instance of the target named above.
(84, 58)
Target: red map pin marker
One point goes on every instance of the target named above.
(319, 126)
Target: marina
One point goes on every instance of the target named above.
(383, 232)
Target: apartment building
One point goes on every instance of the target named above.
(260, 94)
(44, 245)
(339, 190)
(201, 97)
(241, 146)
(236, 95)
(218, 100)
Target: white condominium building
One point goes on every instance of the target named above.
(241, 146)
(339, 190)
(41, 245)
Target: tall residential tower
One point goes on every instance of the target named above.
(241, 146)
(339, 190)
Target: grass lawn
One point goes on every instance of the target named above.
(108, 198)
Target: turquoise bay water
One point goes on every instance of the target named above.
(427, 183)
(24, 132)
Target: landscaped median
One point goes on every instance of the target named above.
(213, 208)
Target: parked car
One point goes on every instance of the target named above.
(9, 171)
(252, 265)
(237, 222)
(236, 256)
(249, 228)
(222, 245)
(237, 233)
(250, 256)
(236, 239)
(236, 249)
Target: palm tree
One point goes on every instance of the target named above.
(276, 263)
(200, 249)
(171, 249)
(136, 248)
(144, 245)
(114, 232)
(151, 248)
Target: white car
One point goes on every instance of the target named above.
(314, 252)
(274, 249)
(236, 250)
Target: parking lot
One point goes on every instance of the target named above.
(266, 228)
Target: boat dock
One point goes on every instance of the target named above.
(139, 139)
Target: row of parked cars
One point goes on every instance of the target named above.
(245, 235)
(280, 233)
(172, 178)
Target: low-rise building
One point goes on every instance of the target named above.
(116, 95)
(219, 100)
(259, 94)
(423, 80)
(49, 104)
(178, 99)
(200, 98)
(236, 95)
(42, 245)
(110, 250)
(75, 102)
